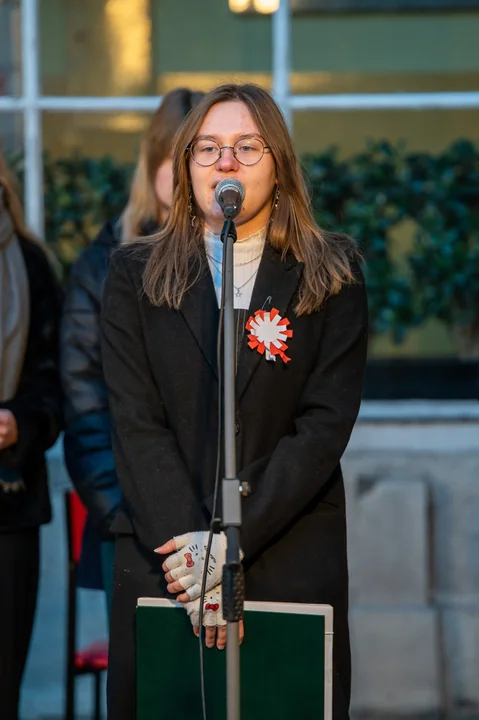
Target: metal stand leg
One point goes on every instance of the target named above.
(97, 711)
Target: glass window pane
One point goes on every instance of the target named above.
(405, 175)
(392, 52)
(147, 47)
(216, 45)
(96, 47)
(11, 136)
(349, 130)
(89, 160)
(10, 50)
(94, 134)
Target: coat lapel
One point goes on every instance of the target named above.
(275, 286)
(200, 310)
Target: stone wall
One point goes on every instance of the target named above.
(412, 484)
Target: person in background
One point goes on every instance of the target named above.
(87, 443)
(30, 422)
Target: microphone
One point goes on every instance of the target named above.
(229, 195)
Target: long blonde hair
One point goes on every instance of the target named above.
(12, 201)
(178, 247)
(143, 206)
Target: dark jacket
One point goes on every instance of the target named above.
(87, 438)
(37, 405)
(87, 441)
(293, 424)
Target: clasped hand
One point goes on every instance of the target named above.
(184, 568)
(8, 429)
(184, 574)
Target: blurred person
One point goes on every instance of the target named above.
(297, 402)
(30, 422)
(87, 442)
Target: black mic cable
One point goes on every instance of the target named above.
(214, 520)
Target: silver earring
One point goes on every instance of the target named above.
(275, 205)
(190, 208)
(276, 199)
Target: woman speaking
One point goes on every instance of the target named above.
(296, 402)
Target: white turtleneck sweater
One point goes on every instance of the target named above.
(246, 257)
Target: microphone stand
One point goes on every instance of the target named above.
(233, 580)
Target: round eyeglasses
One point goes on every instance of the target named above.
(247, 151)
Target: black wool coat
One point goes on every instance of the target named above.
(37, 404)
(293, 424)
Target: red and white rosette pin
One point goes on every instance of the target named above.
(268, 332)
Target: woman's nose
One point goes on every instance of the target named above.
(227, 160)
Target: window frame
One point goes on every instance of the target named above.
(32, 104)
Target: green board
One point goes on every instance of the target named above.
(286, 664)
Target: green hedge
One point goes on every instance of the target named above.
(80, 195)
(370, 196)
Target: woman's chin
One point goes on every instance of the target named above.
(215, 219)
(215, 216)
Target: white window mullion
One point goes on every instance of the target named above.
(99, 104)
(447, 100)
(32, 121)
(387, 101)
(281, 27)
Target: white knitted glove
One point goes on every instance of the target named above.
(212, 609)
(187, 563)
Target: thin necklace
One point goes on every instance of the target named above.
(241, 264)
(238, 288)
